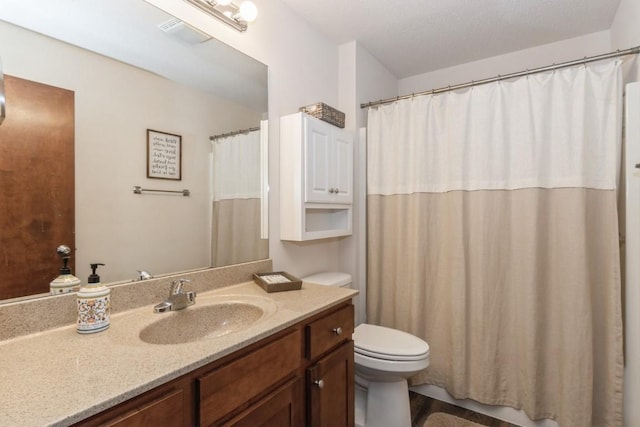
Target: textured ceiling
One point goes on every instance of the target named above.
(416, 36)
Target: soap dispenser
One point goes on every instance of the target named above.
(94, 305)
(65, 282)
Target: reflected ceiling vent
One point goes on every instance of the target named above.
(178, 29)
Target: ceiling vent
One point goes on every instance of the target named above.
(178, 29)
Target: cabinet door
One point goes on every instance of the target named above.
(328, 163)
(342, 167)
(318, 161)
(330, 387)
(283, 408)
(225, 389)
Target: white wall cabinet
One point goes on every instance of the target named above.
(316, 179)
(328, 163)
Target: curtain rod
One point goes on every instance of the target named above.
(586, 59)
(235, 132)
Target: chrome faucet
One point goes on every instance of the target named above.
(178, 298)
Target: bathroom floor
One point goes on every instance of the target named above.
(422, 407)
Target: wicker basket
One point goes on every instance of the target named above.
(325, 113)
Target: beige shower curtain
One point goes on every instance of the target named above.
(492, 234)
(236, 219)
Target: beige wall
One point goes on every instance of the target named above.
(362, 78)
(303, 69)
(566, 50)
(625, 33)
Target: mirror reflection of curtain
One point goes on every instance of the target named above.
(236, 216)
(492, 234)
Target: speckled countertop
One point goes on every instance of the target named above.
(59, 377)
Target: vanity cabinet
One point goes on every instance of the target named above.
(167, 405)
(235, 384)
(302, 376)
(316, 179)
(330, 375)
(282, 408)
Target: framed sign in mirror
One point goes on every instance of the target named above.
(164, 155)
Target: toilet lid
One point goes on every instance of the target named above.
(389, 344)
(329, 278)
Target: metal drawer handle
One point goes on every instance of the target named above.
(319, 384)
(337, 331)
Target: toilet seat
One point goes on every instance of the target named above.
(388, 344)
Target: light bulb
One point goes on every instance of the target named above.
(248, 11)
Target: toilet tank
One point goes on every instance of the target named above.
(330, 278)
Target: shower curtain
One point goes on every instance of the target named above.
(492, 234)
(236, 222)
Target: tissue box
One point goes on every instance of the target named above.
(277, 281)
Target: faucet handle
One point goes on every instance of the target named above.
(177, 285)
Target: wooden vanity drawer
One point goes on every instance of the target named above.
(230, 386)
(329, 331)
(168, 405)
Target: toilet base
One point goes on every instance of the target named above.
(360, 406)
(383, 404)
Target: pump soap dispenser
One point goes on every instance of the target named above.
(94, 305)
(65, 282)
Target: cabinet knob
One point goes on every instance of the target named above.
(331, 190)
(337, 331)
(319, 384)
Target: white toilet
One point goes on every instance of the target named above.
(384, 359)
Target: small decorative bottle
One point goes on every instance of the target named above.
(94, 305)
(65, 282)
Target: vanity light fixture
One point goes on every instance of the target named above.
(228, 12)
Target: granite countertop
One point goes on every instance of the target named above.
(59, 377)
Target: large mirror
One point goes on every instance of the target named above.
(132, 68)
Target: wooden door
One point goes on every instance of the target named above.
(36, 185)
